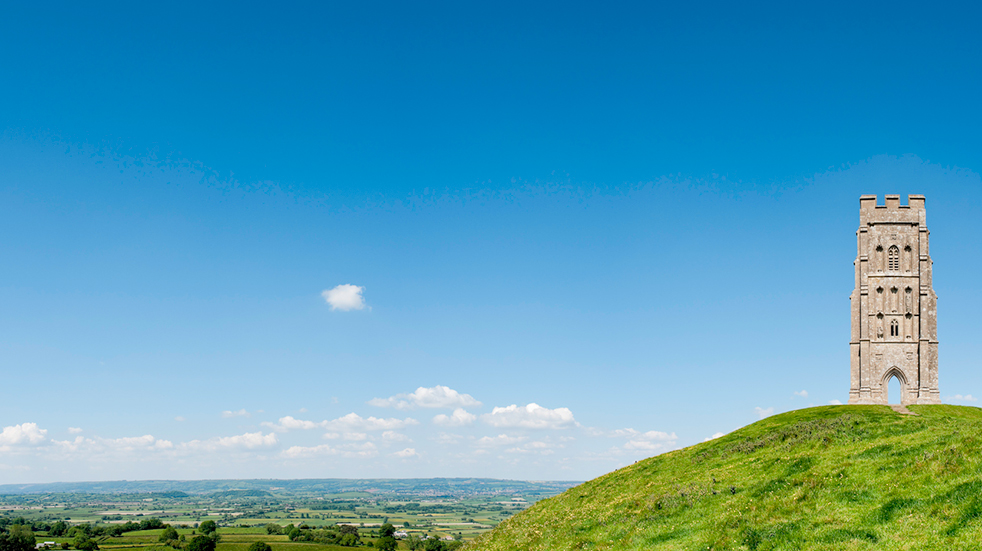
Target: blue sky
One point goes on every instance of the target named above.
(639, 218)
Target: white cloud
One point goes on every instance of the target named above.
(301, 451)
(537, 447)
(433, 397)
(408, 452)
(532, 416)
(74, 430)
(249, 440)
(960, 398)
(802, 393)
(180, 419)
(103, 446)
(714, 436)
(764, 412)
(351, 422)
(345, 297)
(240, 413)
(459, 418)
(835, 403)
(22, 434)
(289, 423)
(355, 436)
(651, 441)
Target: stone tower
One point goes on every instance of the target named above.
(894, 308)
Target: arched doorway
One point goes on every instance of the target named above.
(894, 385)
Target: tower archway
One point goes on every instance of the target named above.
(902, 396)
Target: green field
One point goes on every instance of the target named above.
(834, 477)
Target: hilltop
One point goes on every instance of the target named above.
(833, 477)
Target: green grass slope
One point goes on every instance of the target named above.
(834, 477)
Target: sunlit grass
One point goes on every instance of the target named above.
(834, 477)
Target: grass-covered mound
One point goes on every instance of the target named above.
(835, 477)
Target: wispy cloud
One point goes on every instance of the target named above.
(960, 398)
(433, 397)
(406, 453)
(802, 393)
(240, 413)
(531, 416)
(351, 422)
(457, 419)
(764, 412)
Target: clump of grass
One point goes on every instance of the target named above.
(835, 477)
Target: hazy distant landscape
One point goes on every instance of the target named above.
(131, 514)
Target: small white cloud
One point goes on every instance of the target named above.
(802, 393)
(408, 452)
(289, 423)
(345, 297)
(764, 412)
(240, 413)
(835, 403)
(301, 451)
(532, 416)
(433, 397)
(714, 436)
(180, 419)
(459, 418)
(651, 441)
(248, 440)
(22, 434)
(353, 421)
(355, 436)
(960, 398)
(74, 430)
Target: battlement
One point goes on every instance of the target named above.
(892, 202)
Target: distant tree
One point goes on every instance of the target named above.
(18, 538)
(386, 543)
(414, 542)
(151, 524)
(433, 544)
(201, 543)
(260, 546)
(58, 529)
(386, 530)
(169, 536)
(83, 542)
(273, 529)
(208, 527)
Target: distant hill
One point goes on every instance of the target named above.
(834, 477)
(314, 486)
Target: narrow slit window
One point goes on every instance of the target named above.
(893, 258)
(894, 329)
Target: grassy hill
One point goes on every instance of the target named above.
(834, 477)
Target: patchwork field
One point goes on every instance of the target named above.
(443, 508)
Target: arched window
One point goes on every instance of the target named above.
(894, 329)
(893, 258)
